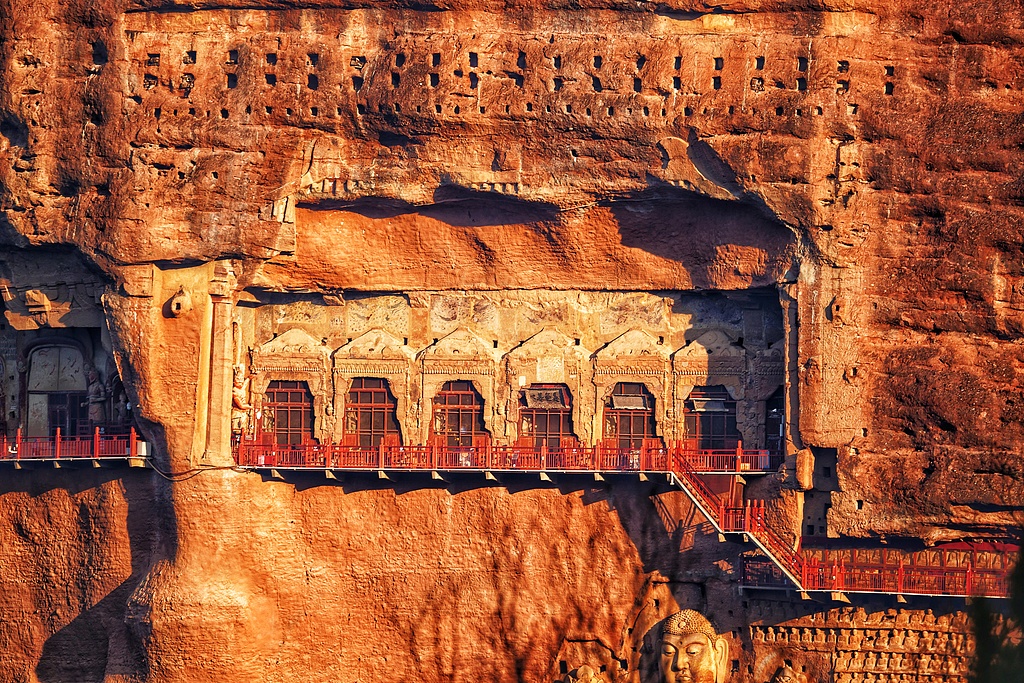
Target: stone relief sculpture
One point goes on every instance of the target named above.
(240, 405)
(786, 674)
(692, 651)
(96, 397)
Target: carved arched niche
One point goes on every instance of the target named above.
(377, 353)
(295, 355)
(550, 357)
(466, 356)
(713, 359)
(634, 356)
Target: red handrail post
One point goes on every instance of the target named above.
(133, 443)
(96, 442)
(56, 444)
(969, 580)
(380, 455)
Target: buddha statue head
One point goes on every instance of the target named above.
(691, 650)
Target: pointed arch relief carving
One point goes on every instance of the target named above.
(711, 356)
(636, 356)
(551, 357)
(460, 355)
(376, 354)
(461, 351)
(295, 355)
(633, 352)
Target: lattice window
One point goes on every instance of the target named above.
(370, 417)
(545, 416)
(288, 412)
(629, 415)
(459, 415)
(709, 419)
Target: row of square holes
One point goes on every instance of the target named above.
(313, 83)
(361, 110)
(358, 62)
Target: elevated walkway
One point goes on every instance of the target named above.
(781, 565)
(95, 449)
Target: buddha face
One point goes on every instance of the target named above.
(688, 658)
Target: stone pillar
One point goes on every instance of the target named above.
(218, 424)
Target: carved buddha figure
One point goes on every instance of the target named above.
(691, 650)
(786, 674)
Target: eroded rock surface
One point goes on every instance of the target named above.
(581, 194)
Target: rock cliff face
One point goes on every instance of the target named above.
(817, 204)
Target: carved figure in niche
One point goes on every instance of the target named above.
(692, 651)
(96, 397)
(786, 674)
(121, 409)
(240, 405)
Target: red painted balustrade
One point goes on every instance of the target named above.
(60, 447)
(492, 457)
(961, 569)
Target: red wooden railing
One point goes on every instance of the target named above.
(60, 447)
(492, 457)
(784, 567)
(983, 573)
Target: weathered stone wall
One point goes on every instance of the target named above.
(860, 159)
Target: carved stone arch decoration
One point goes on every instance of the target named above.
(379, 354)
(551, 357)
(295, 355)
(460, 355)
(636, 356)
(714, 359)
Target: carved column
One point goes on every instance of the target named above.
(218, 425)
